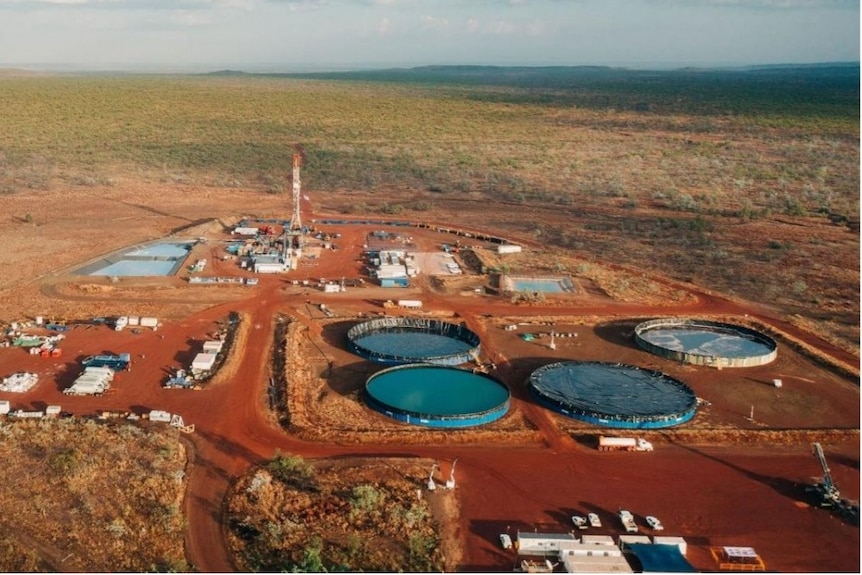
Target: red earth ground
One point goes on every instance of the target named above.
(721, 487)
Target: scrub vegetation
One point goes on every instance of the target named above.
(85, 496)
(737, 180)
(291, 515)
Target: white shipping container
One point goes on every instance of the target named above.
(410, 303)
(203, 362)
(623, 539)
(508, 249)
(134, 320)
(4, 407)
(149, 322)
(52, 410)
(160, 416)
(245, 231)
(213, 346)
(598, 540)
(28, 414)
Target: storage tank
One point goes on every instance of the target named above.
(437, 396)
(613, 394)
(403, 340)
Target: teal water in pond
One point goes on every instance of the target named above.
(169, 250)
(707, 342)
(545, 286)
(159, 259)
(412, 345)
(133, 268)
(437, 391)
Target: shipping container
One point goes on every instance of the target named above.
(160, 416)
(149, 322)
(508, 249)
(213, 346)
(203, 362)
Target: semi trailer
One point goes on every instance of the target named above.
(624, 444)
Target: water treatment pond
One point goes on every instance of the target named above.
(437, 391)
(157, 259)
(707, 342)
(413, 345)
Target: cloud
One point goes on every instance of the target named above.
(501, 27)
(384, 27)
(190, 18)
(432, 22)
(168, 5)
(765, 4)
(472, 25)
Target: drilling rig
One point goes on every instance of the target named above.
(294, 229)
(827, 492)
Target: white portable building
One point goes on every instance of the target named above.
(391, 271)
(508, 249)
(160, 416)
(269, 267)
(410, 303)
(52, 410)
(5, 407)
(203, 362)
(213, 346)
(134, 320)
(598, 540)
(149, 322)
(626, 539)
(245, 231)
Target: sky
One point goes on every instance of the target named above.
(302, 35)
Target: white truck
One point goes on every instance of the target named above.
(628, 521)
(624, 444)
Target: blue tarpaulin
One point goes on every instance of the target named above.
(660, 558)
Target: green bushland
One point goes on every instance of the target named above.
(688, 156)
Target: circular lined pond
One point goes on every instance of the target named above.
(395, 340)
(437, 396)
(613, 394)
(706, 342)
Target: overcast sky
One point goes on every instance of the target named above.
(288, 35)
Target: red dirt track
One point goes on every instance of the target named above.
(736, 494)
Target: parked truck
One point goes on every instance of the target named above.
(628, 521)
(624, 444)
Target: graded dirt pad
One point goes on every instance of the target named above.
(724, 479)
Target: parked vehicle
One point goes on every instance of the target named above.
(579, 521)
(628, 521)
(654, 523)
(505, 541)
(594, 520)
(624, 444)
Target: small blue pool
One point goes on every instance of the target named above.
(538, 284)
